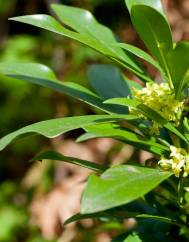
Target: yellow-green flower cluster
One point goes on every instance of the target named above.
(161, 99)
(178, 162)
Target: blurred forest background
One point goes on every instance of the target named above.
(36, 198)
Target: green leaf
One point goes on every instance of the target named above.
(159, 218)
(116, 132)
(145, 110)
(108, 81)
(154, 30)
(116, 214)
(178, 60)
(49, 23)
(156, 4)
(43, 76)
(32, 70)
(141, 54)
(186, 128)
(52, 155)
(133, 238)
(118, 186)
(55, 127)
(130, 238)
(148, 112)
(84, 22)
(79, 216)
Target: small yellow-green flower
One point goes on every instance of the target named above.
(178, 162)
(161, 99)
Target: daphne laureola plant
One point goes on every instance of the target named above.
(157, 195)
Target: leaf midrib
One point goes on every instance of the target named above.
(115, 54)
(158, 44)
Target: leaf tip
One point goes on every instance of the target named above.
(12, 18)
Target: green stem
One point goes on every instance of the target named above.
(175, 139)
(181, 191)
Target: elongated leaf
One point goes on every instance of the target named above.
(179, 65)
(186, 128)
(140, 53)
(156, 4)
(79, 216)
(43, 76)
(32, 70)
(108, 81)
(159, 218)
(55, 127)
(84, 22)
(52, 155)
(116, 132)
(116, 214)
(109, 214)
(155, 32)
(118, 186)
(49, 23)
(148, 112)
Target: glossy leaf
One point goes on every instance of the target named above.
(145, 110)
(32, 70)
(84, 22)
(55, 127)
(178, 60)
(118, 186)
(148, 112)
(116, 132)
(43, 76)
(155, 32)
(49, 23)
(156, 4)
(108, 81)
(116, 214)
(141, 54)
(52, 155)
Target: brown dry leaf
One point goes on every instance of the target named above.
(50, 212)
(103, 237)
(178, 15)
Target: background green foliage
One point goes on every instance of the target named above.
(21, 103)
